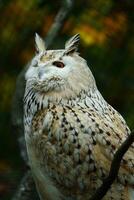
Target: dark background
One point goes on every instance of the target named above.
(107, 42)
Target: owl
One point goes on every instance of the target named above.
(71, 132)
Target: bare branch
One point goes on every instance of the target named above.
(59, 20)
(102, 190)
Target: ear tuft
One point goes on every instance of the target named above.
(39, 43)
(72, 44)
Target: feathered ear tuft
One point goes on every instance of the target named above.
(72, 44)
(39, 43)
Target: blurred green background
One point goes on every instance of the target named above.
(107, 42)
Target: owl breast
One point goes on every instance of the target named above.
(65, 146)
(72, 143)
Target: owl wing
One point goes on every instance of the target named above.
(77, 141)
(111, 131)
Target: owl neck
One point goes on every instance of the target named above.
(35, 101)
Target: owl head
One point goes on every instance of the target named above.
(59, 72)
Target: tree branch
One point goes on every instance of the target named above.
(114, 169)
(59, 21)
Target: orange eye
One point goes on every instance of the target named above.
(58, 64)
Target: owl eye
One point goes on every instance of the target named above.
(58, 64)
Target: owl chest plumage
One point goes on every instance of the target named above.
(64, 143)
(68, 142)
(71, 132)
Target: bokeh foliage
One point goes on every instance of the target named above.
(107, 42)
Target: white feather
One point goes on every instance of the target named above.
(40, 44)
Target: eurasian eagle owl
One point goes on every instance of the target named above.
(71, 132)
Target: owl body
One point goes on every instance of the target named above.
(71, 132)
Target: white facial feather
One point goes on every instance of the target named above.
(61, 71)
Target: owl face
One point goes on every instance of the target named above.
(59, 71)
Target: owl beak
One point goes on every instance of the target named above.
(41, 73)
